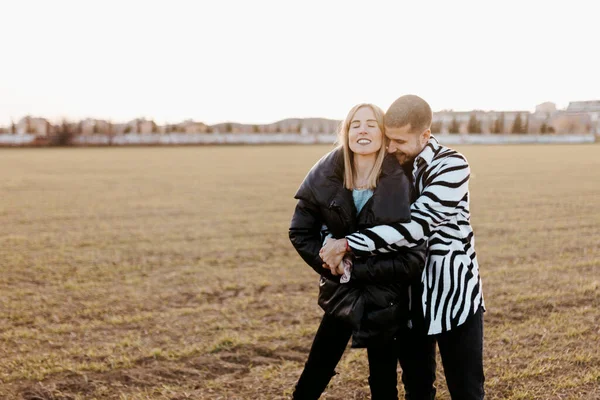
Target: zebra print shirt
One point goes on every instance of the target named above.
(440, 215)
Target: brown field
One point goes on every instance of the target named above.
(166, 273)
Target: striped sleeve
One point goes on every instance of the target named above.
(438, 203)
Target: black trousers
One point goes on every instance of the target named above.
(415, 351)
(412, 348)
(461, 350)
(327, 349)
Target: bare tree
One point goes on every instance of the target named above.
(474, 125)
(454, 127)
(28, 127)
(499, 124)
(517, 125)
(63, 136)
(110, 132)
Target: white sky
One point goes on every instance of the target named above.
(260, 61)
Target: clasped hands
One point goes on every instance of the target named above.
(332, 253)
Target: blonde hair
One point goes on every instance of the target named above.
(349, 169)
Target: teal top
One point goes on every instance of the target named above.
(361, 196)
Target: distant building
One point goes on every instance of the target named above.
(446, 117)
(140, 125)
(118, 129)
(540, 120)
(190, 126)
(95, 126)
(486, 118)
(545, 108)
(36, 126)
(303, 126)
(569, 122)
(586, 110)
(584, 106)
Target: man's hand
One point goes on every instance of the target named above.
(332, 253)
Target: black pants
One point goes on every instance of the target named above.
(416, 352)
(413, 348)
(328, 346)
(461, 350)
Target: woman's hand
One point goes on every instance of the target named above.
(332, 254)
(340, 268)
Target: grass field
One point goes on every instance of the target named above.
(166, 273)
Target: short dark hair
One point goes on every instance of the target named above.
(409, 109)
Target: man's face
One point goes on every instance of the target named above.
(406, 144)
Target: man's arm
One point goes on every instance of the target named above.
(444, 196)
(403, 267)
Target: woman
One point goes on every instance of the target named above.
(355, 186)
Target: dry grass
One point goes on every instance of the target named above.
(166, 273)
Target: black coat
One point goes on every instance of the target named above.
(375, 301)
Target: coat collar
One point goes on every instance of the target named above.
(324, 184)
(324, 178)
(429, 151)
(327, 176)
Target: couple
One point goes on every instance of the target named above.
(384, 220)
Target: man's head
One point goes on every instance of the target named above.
(408, 127)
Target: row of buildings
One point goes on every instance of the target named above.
(579, 117)
(42, 127)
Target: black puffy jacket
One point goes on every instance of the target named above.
(375, 301)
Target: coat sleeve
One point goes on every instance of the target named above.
(401, 267)
(444, 196)
(305, 235)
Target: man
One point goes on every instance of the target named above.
(451, 293)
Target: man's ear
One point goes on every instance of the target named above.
(425, 136)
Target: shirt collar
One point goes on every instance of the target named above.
(428, 151)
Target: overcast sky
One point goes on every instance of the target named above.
(260, 61)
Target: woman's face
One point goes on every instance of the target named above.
(364, 135)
